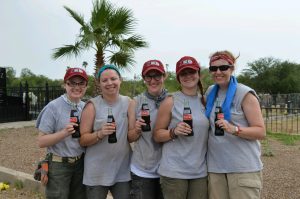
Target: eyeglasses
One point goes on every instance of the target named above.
(187, 72)
(74, 84)
(156, 77)
(221, 68)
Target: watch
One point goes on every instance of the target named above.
(237, 131)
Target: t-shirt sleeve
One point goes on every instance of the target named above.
(46, 120)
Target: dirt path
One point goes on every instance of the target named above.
(281, 173)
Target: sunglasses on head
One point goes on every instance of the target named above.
(221, 68)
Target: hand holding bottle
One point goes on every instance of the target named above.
(182, 128)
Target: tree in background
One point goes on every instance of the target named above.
(270, 75)
(110, 32)
(85, 64)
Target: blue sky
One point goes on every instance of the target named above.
(31, 29)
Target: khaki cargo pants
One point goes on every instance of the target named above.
(235, 185)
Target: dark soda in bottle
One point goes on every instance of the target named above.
(112, 138)
(74, 117)
(187, 116)
(145, 114)
(218, 115)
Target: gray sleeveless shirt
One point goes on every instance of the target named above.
(146, 152)
(106, 164)
(184, 157)
(229, 153)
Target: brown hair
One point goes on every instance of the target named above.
(201, 91)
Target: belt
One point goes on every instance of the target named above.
(56, 158)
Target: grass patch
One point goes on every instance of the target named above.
(284, 138)
(18, 184)
(266, 148)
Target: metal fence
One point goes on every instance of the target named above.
(290, 100)
(282, 120)
(25, 103)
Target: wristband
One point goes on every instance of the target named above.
(172, 133)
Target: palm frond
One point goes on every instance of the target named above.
(79, 18)
(121, 22)
(102, 10)
(123, 60)
(67, 51)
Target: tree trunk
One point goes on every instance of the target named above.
(99, 62)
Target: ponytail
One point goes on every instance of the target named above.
(201, 91)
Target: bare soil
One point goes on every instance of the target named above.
(281, 173)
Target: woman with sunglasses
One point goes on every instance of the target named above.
(65, 155)
(183, 168)
(104, 131)
(233, 158)
(147, 153)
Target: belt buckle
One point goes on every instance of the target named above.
(71, 160)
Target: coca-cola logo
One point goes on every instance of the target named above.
(145, 112)
(187, 117)
(73, 119)
(220, 116)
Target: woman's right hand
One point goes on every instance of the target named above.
(108, 128)
(182, 128)
(69, 128)
(138, 125)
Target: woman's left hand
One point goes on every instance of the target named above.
(226, 126)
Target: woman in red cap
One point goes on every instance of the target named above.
(147, 153)
(182, 127)
(57, 133)
(233, 156)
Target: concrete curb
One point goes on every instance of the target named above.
(12, 176)
(14, 125)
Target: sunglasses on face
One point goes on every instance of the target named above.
(221, 68)
(187, 72)
(156, 77)
(74, 84)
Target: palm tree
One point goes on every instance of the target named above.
(109, 32)
(84, 64)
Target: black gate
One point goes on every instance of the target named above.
(25, 103)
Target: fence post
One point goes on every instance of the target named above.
(47, 94)
(21, 91)
(26, 102)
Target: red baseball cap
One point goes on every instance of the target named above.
(153, 65)
(187, 62)
(71, 72)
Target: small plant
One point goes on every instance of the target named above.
(267, 151)
(19, 184)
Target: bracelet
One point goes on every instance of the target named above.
(98, 138)
(172, 133)
(237, 130)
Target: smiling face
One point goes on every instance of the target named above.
(110, 82)
(154, 81)
(75, 88)
(221, 78)
(188, 78)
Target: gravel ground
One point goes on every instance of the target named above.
(281, 172)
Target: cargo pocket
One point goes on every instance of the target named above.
(251, 183)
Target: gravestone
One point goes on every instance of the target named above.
(2, 86)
